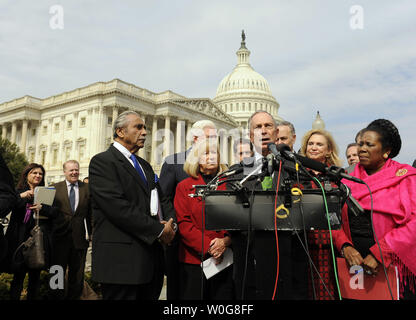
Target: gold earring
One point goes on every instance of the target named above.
(385, 156)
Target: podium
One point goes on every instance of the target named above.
(224, 210)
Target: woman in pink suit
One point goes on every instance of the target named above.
(393, 188)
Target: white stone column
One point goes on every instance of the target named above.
(99, 139)
(74, 155)
(166, 148)
(90, 143)
(231, 149)
(4, 130)
(180, 136)
(38, 135)
(61, 141)
(142, 151)
(48, 158)
(14, 130)
(24, 136)
(154, 141)
(188, 134)
(115, 115)
(224, 149)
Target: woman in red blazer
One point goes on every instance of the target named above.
(202, 165)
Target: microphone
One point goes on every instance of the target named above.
(272, 148)
(285, 150)
(270, 163)
(332, 170)
(232, 172)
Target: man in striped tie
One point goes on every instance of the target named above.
(132, 219)
(72, 228)
(261, 268)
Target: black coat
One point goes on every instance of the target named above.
(8, 199)
(18, 232)
(125, 245)
(172, 173)
(70, 226)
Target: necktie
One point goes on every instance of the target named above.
(72, 197)
(138, 169)
(267, 183)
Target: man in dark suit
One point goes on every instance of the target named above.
(71, 229)
(258, 273)
(8, 199)
(170, 175)
(131, 217)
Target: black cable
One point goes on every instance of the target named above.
(378, 244)
(202, 248)
(248, 240)
(307, 252)
(305, 238)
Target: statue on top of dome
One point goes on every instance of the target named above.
(243, 36)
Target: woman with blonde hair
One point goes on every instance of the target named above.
(319, 145)
(202, 165)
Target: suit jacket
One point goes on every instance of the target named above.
(172, 173)
(125, 246)
(68, 224)
(8, 199)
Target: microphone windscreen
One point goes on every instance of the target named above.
(283, 147)
(311, 164)
(272, 148)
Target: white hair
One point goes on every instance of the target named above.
(199, 126)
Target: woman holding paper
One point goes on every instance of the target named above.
(21, 223)
(392, 198)
(202, 165)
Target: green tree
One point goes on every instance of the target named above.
(15, 160)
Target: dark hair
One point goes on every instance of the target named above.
(22, 184)
(358, 135)
(352, 144)
(389, 135)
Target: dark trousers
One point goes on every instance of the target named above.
(16, 285)
(293, 266)
(67, 256)
(172, 269)
(146, 291)
(219, 287)
(243, 266)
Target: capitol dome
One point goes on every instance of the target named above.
(244, 91)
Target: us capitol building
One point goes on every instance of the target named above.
(78, 124)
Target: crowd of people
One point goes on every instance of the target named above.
(144, 227)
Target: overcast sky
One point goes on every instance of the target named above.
(316, 55)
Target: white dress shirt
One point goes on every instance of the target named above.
(126, 153)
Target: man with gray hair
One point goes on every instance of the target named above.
(170, 175)
(132, 219)
(286, 134)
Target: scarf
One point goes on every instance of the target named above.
(394, 211)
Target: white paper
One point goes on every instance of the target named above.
(87, 236)
(154, 202)
(44, 195)
(211, 269)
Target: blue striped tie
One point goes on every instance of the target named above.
(138, 169)
(72, 197)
